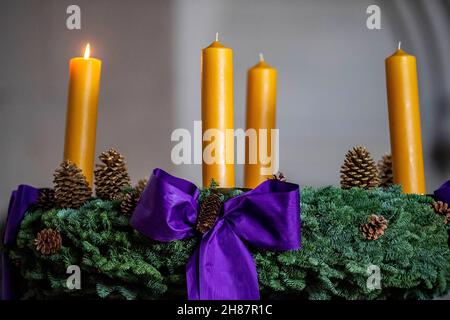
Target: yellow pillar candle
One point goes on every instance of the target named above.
(404, 122)
(217, 114)
(261, 114)
(81, 121)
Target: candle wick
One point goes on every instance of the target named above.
(399, 45)
(217, 36)
(261, 57)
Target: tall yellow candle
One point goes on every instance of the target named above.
(217, 115)
(81, 121)
(261, 114)
(404, 122)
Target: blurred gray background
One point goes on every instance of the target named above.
(331, 90)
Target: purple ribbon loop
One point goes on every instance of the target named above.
(443, 193)
(221, 268)
(21, 199)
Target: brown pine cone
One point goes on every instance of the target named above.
(17, 263)
(129, 202)
(48, 241)
(279, 176)
(209, 211)
(46, 199)
(375, 227)
(442, 209)
(359, 170)
(111, 177)
(71, 187)
(386, 172)
(140, 186)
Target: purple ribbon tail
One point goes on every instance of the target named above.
(21, 199)
(7, 287)
(193, 276)
(221, 267)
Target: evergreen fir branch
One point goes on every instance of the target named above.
(119, 263)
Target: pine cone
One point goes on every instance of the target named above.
(359, 170)
(279, 176)
(442, 209)
(46, 199)
(374, 228)
(71, 187)
(17, 262)
(131, 198)
(140, 186)
(209, 211)
(111, 177)
(386, 173)
(48, 241)
(129, 202)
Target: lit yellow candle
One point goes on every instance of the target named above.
(261, 114)
(217, 113)
(81, 121)
(404, 122)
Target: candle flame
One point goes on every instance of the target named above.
(217, 36)
(399, 45)
(87, 51)
(261, 57)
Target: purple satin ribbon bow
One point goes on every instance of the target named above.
(221, 268)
